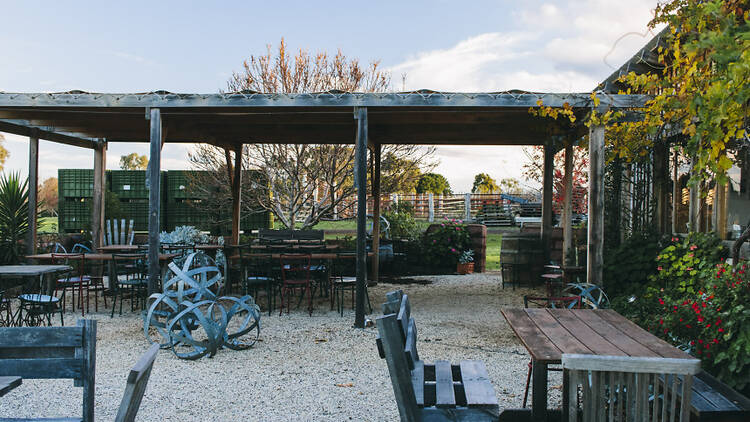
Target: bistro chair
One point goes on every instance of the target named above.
(295, 275)
(257, 274)
(34, 307)
(619, 388)
(130, 276)
(563, 302)
(341, 284)
(72, 280)
(94, 271)
(318, 267)
(233, 268)
(6, 318)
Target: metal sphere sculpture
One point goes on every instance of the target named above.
(191, 318)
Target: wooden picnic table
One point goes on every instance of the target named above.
(8, 383)
(315, 255)
(548, 333)
(41, 271)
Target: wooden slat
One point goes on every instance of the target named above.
(410, 348)
(417, 381)
(716, 398)
(9, 383)
(36, 337)
(595, 342)
(42, 368)
(612, 334)
(556, 332)
(539, 346)
(445, 396)
(624, 325)
(404, 314)
(477, 385)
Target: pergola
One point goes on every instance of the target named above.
(369, 120)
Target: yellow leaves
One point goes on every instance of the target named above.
(725, 163)
(595, 99)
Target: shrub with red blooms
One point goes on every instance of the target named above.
(714, 322)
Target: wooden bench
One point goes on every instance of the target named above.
(136, 385)
(430, 392)
(714, 401)
(52, 353)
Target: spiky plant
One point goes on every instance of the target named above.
(14, 212)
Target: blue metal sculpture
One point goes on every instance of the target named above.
(191, 318)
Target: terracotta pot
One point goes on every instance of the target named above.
(467, 268)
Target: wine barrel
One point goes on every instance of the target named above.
(525, 253)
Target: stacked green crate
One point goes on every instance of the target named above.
(130, 188)
(75, 190)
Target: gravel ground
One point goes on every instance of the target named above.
(305, 368)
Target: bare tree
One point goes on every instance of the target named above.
(310, 181)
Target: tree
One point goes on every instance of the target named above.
(532, 170)
(310, 181)
(483, 183)
(434, 183)
(3, 152)
(133, 161)
(509, 184)
(48, 196)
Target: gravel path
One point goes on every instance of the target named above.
(292, 374)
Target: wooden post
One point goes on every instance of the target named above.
(467, 207)
(33, 186)
(568, 204)
(547, 184)
(676, 196)
(360, 177)
(660, 189)
(431, 209)
(154, 200)
(626, 199)
(721, 203)
(376, 213)
(694, 210)
(97, 202)
(595, 254)
(236, 196)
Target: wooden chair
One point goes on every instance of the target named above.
(430, 392)
(136, 385)
(628, 388)
(53, 353)
(123, 236)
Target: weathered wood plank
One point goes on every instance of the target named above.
(410, 349)
(360, 178)
(398, 368)
(611, 333)
(477, 385)
(136, 386)
(35, 337)
(8, 383)
(33, 193)
(445, 395)
(557, 334)
(540, 347)
(417, 381)
(595, 342)
(43, 368)
(629, 328)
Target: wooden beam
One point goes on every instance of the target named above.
(18, 128)
(375, 262)
(676, 197)
(547, 187)
(694, 210)
(97, 208)
(360, 177)
(236, 196)
(154, 200)
(661, 186)
(33, 186)
(567, 217)
(721, 205)
(595, 254)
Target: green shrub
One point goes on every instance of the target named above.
(684, 263)
(14, 214)
(629, 266)
(443, 246)
(400, 216)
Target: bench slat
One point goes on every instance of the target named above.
(477, 383)
(445, 396)
(417, 380)
(41, 337)
(43, 368)
(404, 315)
(410, 348)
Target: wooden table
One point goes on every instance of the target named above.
(41, 271)
(118, 248)
(316, 255)
(548, 333)
(8, 383)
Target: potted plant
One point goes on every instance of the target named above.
(466, 262)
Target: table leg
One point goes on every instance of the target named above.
(538, 391)
(565, 395)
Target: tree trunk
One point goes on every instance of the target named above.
(744, 237)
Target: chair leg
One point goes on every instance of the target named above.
(114, 302)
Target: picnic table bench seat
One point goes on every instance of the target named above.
(438, 391)
(714, 401)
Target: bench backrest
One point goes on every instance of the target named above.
(619, 387)
(122, 235)
(136, 385)
(397, 344)
(53, 353)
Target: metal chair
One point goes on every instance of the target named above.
(35, 307)
(72, 280)
(130, 275)
(257, 274)
(295, 275)
(6, 317)
(341, 284)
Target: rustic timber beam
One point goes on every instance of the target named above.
(375, 262)
(33, 186)
(360, 178)
(595, 255)
(154, 169)
(97, 203)
(548, 176)
(17, 127)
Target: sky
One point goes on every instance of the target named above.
(471, 46)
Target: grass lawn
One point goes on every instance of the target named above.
(48, 225)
